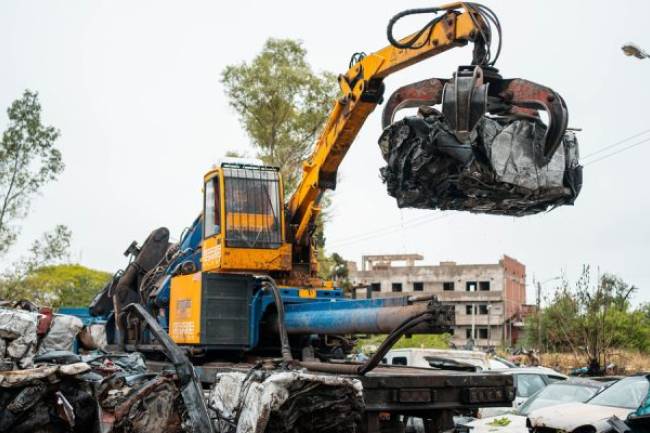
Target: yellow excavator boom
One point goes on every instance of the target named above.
(362, 90)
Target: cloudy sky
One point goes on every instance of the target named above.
(134, 88)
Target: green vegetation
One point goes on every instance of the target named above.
(591, 320)
(55, 285)
(427, 341)
(500, 422)
(28, 161)
(282, 104)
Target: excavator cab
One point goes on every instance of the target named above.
(243, 223)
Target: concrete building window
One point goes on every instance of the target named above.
(448, 286)
(375, 287)
(468, 333)
(483, 333)
(397, 287)
(484, 286)
(470, 286)
(482, 309)
(468, 309)
(418, 286)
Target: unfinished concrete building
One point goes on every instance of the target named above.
(489, 298)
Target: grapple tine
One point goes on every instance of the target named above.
(529, 95)
(425, 92)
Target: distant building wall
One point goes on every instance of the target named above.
(487, 296)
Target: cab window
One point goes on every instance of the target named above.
(252, 207)
(212, 214)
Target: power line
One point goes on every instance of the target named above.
(396, 229)
(602, 149)
(618, 151)
(381, 229)
(423, 219)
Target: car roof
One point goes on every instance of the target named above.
(582, 381)
(531, 370)
(439, 351)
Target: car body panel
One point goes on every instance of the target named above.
(548, 376)
(570, 416)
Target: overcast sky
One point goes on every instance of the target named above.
(134, 88)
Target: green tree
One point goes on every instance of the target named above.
(592, 320)
(282, 104)
(50, 249)
(339, 271)
(57, 285)
(28, 160)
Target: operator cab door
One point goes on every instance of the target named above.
(212, 222)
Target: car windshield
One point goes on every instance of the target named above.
(557, 393)
(627, 393)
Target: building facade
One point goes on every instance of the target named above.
(489, 299)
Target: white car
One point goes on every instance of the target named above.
(527, 381)
(572, 390)
(620, 399)
(466, 360)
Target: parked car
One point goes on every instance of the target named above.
(527, 381)
(498, 362)
(561, 392)
(619, 399)
(464, 360)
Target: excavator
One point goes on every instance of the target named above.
(242, 283)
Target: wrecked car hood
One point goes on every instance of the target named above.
(568, 417)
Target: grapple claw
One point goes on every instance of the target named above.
(475, 90)
(425, 92)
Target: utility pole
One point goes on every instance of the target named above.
(489, 310)
(538, 304)
(473, 321)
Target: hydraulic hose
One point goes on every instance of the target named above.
(285, 347)
(392, 338)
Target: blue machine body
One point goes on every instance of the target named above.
(325, 311)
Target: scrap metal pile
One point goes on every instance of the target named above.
(487, 151)
(44, 387)
(286, 401)
(27, 331)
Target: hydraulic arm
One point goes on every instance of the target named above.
(474, 90)
(362, 89)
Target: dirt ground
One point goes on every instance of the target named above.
(625, 362)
